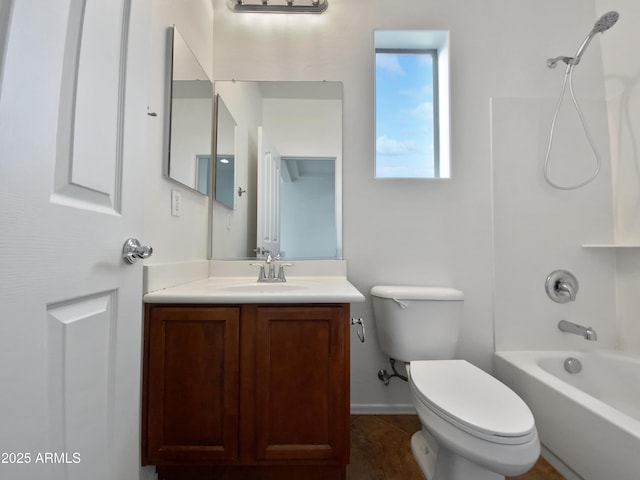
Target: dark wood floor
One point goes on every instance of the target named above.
(381, 450)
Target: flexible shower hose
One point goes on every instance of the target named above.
(568, 78)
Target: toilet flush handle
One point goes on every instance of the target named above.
(360, 332)
(402, 304)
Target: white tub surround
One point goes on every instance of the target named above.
(588, 422)
(232, 282)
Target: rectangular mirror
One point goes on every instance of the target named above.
(288, 169)
(190, 115)
(225, 148)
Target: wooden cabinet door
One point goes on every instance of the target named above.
(191, 375)
(302, 383)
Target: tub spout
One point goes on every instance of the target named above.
(587, 332)
(590, 334)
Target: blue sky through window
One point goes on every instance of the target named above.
(404, 114)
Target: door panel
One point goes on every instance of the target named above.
(87, 176)
(301, 383)
(81, 367)
(72, 119)
(269, 164)
(192, 376)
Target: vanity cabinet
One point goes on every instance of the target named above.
(246, 391)
(190, 402)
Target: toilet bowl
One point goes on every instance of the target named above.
(475, 427)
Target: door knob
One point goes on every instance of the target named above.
(132, 251)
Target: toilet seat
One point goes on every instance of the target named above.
(472, 400)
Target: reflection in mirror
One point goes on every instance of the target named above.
(191, 106)
(289, 156)
(225, 147)
(307, 211)
(203, 174)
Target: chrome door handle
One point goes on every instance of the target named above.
(132, 251)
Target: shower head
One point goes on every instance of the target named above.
(605, 22)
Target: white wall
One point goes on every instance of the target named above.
(622, 75)
(304, 127)
(183, 238)
(417, 232)
(538, 229)
(307, 217)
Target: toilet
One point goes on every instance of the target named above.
(473, 426)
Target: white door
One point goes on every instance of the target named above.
(268, 230)
(72, 138)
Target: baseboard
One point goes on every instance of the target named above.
(383, 409)
(561, 467)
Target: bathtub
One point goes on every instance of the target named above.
(588, 422)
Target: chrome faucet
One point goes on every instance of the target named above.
(269, 274)
(587, 332)
(270, 267)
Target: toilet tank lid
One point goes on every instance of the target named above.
(417, 292)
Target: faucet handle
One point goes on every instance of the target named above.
(281, 276)
(261, 274)
(566, 288)
(561, 286)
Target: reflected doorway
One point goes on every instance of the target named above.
(308, 208)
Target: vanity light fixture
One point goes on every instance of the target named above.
(278, 6)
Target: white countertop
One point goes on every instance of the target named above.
(241, 289)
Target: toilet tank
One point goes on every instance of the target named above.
(417, 322)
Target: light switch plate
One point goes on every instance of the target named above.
(176, 203)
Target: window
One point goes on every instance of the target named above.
(411, 105)
(406, 113)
